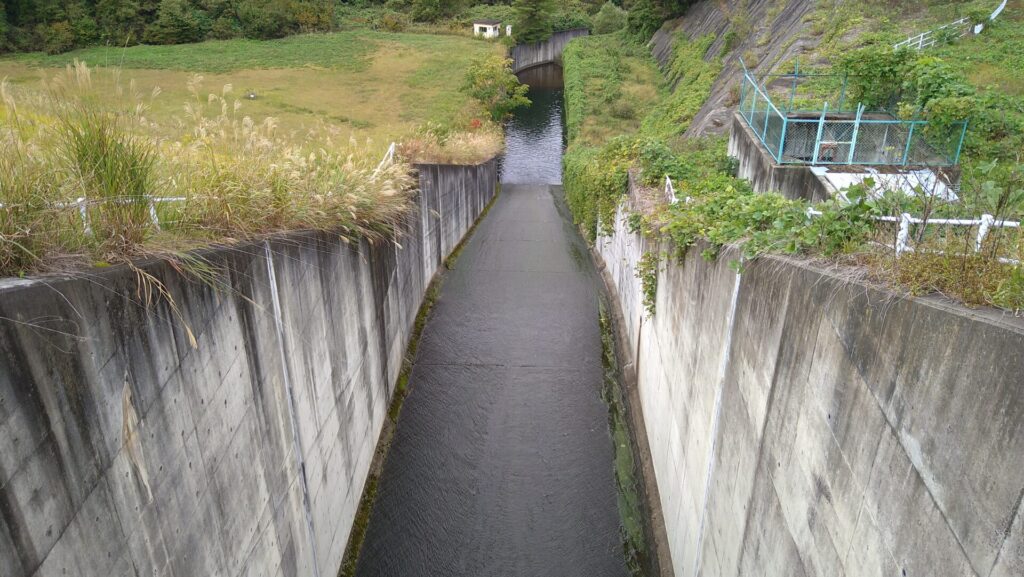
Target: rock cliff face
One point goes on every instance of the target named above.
(761, 32)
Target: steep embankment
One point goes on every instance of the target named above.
(770, 35)
(763, 33)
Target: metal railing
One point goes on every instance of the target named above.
(985, 225)
(834, 140)
(82, 203)
(958, 28)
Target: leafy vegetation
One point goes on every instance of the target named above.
(533, 20)
(610, 85)
(491, 82)
(720, 209)
(610, 18)
(603, 73)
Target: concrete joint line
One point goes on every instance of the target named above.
(894, 430)
(716, 420)
(286, 373)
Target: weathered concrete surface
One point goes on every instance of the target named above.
(502, 460)
(525, 56)
(801, 424)
(765, 175)
(124, 450)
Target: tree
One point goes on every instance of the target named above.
(533, 20)
(265, 19)
(431, 10)
(122, 21)
(491, 82)
(177, 22)
(609, 19)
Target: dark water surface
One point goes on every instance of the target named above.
(501, 464)
(534, 138)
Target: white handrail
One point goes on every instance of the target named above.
(389, 157)
(670, 191)
(82, 203)
(927, 39)
(984, 224)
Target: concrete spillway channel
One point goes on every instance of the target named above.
(503, 462)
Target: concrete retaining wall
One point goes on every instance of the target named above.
(758, 166)
(125, 450)
(801, 424)
(526, 56)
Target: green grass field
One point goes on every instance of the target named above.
(375, 85)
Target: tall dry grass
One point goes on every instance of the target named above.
(437, 144)
(236, 177)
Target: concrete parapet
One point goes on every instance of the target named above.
(126, 450)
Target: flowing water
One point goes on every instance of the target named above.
(535, 137)
(502, 461)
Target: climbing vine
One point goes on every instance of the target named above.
(647, 272)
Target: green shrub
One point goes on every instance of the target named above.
(595, 181)
(609, 19)
(225, 27)
(876, 73)
(265, 19)
(392, 21)
(433, 10)
(491, 82)
(57, 37)
(177, 22)
(533, 20)
(644, 20)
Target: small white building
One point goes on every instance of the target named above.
(487, 28)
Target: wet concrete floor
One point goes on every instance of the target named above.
(502, 461)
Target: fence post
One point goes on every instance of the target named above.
(986, 223)
(753, 101)
(817, 139)
(782, 139)
(910, 139)
(960, 147)
(856, 131)
(152, 212)
(84, 212)
(764, 131)
(903, 237)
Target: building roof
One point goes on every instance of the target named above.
(487, 22)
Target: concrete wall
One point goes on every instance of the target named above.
(526, 56)
(125, 450)
(801, 424)
(758, 166)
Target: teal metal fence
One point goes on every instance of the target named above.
(836, 136)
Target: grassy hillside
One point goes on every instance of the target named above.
(372, 85)
(255, 137)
